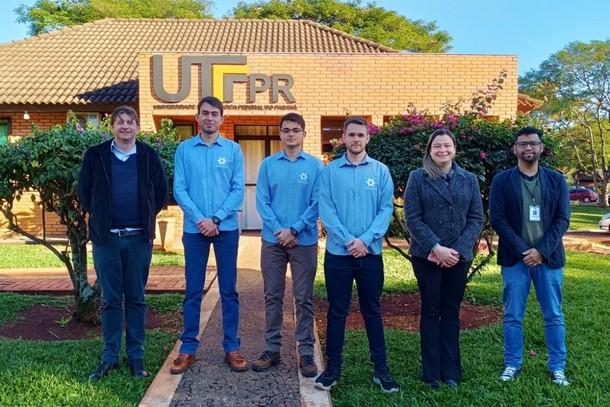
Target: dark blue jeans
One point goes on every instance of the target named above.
(441, 291)
(340, 273)
(196, 253)
(122, 270)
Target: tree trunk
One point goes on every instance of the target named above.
(86, 296)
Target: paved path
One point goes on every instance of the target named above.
(210, 382)
(57, 281)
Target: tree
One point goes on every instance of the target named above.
(575, 84)
(48, 162)
(374, 23)
(48, 15)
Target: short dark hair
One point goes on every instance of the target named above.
(293, 117)
(128, 110)
(355, 120)
(524, 131)
(212, 101)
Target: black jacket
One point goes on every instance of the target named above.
(506, 216)
(94, 189)
(451, 215)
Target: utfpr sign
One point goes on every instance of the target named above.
(218, 74)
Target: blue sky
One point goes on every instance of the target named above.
(532, 30)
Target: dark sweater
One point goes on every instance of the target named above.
(95, 189)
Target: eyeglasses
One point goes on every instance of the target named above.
(295, 130)
(524, 144)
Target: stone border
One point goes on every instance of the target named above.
(311, 396)
(161, 391)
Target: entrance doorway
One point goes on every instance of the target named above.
(257, 142)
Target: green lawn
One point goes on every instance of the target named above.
(584, 217)
(35, 373)
(586, 288)
(19, 255)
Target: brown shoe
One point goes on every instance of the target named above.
(308, 366)
(236, 361)
(265, 361)
(182, 363)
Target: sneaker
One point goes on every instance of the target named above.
(384, 379)
(509, 373)
(559, 378)
(266, 360)
(308, 366)
(327, 379)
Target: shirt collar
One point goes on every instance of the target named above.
(281, 155)
(343, 161)
(218, 141)
(120, 154)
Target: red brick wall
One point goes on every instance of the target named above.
(43, 120)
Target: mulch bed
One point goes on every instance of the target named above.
(44, 323)
(401, 311)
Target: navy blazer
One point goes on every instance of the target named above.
(506, 216)
(447, 213)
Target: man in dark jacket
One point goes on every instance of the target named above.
(530, 210)
(122, 186)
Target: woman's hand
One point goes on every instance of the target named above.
(447, 257)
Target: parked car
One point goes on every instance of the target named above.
(604, 223)
(583, 194)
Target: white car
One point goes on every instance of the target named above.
(604, 223)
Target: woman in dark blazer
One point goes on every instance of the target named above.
(444, 215)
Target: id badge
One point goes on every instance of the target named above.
(534, 213)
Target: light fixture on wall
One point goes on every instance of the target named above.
(26, 115)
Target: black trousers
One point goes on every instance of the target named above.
(441, 291)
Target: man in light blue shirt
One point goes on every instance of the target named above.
(209, 187)
(287, 201)
(356, 203)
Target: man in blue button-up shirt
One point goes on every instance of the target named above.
(209, 187)
(356, 203)
(287, 201)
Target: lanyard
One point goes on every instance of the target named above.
(531, 193)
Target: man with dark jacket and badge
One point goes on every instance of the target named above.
(122, 186)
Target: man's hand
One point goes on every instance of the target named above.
(357, 248)
(207, 228)
(532, 257)
(447, 257)
(286, 238)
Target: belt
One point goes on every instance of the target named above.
(127, 233)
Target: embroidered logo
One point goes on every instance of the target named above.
(303, 177)
(222, 162)
(370, 183)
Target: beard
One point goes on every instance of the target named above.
(530, 158)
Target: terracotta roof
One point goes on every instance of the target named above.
(526, 104)
(97, 62)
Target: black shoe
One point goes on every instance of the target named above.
(385, 380)
(102, 370)
(454, 384)
(136, 367)
(327, 379)
(433, 385)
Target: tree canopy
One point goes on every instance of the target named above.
(575, 85)
(48, 15)
(368, 21)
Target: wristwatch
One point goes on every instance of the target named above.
(293, 231)
(215, 220)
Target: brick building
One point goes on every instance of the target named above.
(261, 69)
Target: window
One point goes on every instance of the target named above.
(184, 131)
(88, 118)
(5, 130)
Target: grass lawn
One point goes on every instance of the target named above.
(20, 255)
(584, 217)
(586, 288)
(36, 373)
